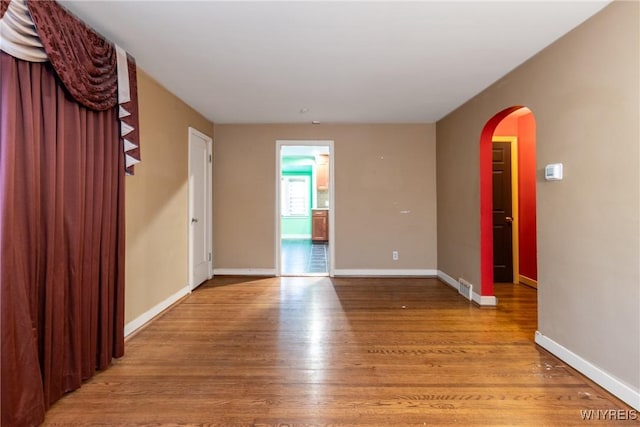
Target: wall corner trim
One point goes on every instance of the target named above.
(485, 301)
(613, 385)
(385, 272)
(148, 315)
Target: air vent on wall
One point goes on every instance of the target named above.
(465, 289)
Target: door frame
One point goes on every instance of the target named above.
(209, 205)
(332, 239)
(515, 232)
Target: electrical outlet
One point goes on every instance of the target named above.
(394, 255)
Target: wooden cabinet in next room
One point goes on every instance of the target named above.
(319, 225)
(322, 177)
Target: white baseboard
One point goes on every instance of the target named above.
(527, 281)
(485, 301)
(448, 279)
(145, 317)
(385, 273)
(613, 385)
(244, 272)
(336, 272)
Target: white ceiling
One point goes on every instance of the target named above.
(356, 62)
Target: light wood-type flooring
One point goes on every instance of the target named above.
(318, 351)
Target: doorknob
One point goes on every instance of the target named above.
(508, 219)
(194, 220)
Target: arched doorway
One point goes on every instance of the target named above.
(514, 127)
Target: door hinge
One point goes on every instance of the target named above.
(209, 256)
(209, 158)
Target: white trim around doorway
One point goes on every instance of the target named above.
(208, 220)
(332, 238)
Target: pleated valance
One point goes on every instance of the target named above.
(96, 73)
(18, 35)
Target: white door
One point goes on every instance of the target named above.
(200, 237)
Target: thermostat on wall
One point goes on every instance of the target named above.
(553, 172)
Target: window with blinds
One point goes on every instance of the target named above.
(294, 195)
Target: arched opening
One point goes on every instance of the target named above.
(514, 126)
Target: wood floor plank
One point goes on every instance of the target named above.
(339, 352)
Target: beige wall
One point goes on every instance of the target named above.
(380, 170)
(156, 200)
(584, 93)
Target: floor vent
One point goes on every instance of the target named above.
(465, 289)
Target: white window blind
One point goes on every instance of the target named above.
(294, 195)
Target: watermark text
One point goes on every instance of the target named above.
(609, 414)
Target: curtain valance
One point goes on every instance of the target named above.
(98, 74)
(18, 35)
(4, 4)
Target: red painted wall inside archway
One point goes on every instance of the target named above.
(486, 201)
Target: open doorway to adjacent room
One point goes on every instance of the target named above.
(508, 200)
(304, 208)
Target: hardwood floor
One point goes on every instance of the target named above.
(316, 351)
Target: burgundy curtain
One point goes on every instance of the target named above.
(84, 60)
(61, 240)
(4, 4)
(87, 66)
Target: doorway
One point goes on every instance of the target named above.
(508, 216)
(304, 208)
(504, 163)
(200, 208)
